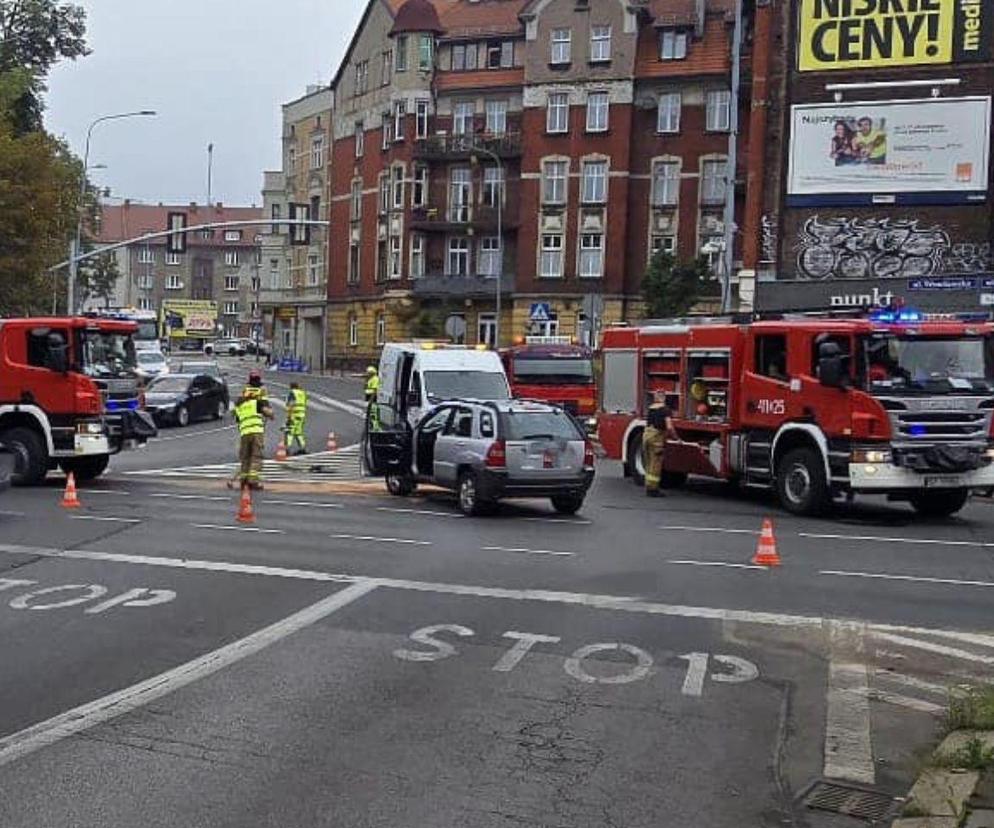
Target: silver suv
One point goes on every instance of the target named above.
(486, 451)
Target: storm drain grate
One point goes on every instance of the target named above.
(850, 800)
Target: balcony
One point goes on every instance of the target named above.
(441, 286)
(461, 147)
(299, 295)
(462, 219)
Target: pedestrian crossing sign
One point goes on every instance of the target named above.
(540, 312)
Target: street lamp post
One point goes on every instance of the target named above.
(500, 234)
(75, 244)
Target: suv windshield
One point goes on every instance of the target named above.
(552, 371)
(148, 330)
(541, 425)
(105, 354)
(935, 366)
(474, 385)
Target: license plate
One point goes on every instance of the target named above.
(938, 481)
(549, 460)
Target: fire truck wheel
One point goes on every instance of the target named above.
(801, 484)
(30, 456)
(940, 504)
(86, 468)
(635, 465)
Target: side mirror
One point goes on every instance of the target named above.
(57, 359)
(832, 371)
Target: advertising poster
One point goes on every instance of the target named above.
(190, 318)
(875, 34)
(934, 150)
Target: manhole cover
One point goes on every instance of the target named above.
(861, 803)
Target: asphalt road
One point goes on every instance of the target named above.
(360, 660)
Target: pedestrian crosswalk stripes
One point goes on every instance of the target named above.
(320, 467)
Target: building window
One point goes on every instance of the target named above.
(713, 182)
(417, 256)
(274, 273)
(496, 117)
(488, 261)
(486, 329)
(256, 284)
(595, 182)
(464, 57)
(493, 186)
(550, 327)
(356, 200)
(173, 258)
(672, 44)
(144, 303)
(382, 261)
(500, 54)
(146, 281)
(288, 274)
(426, 53)
(557, 117)
(554, 182)
(419, 196)
(598, 107)
(551, 264)
(317, 152)
(387, 71)
(313, 270)
(291, 160)
(718, 110)
(400, 43)
(386, 131)
(384, 193)
(462, 117)
(276, 213)
(353, 331)
(314, 213)
(561, 46)
(360, 139)
(232, 235)
(361, 76)
(600, 44)
(662, 244)
(399, 114)
(398, 188)
(421, 118)
(231, 283)
(665, 183)
(591, 255)
(460, 194)
(230, 308)
(381, 329)
(207, 235)
(354, 263)
(457, 262)
(231, 258)
(395, 257)
(146, 255)
(668, 119)
(172, 282)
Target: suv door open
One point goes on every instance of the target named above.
(388, 452)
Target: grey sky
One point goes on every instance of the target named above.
(215, 70)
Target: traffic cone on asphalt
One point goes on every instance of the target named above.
(766, 549)
(281, 452)
(332, 441)
(245, 512)
(70, 500)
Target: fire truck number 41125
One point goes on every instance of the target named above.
(772, 406)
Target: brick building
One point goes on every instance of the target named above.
(599, 126)
(219, 265)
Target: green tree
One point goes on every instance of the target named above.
(34, 36)
(671, 288)
(97, 277)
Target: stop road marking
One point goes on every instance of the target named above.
(74, 595)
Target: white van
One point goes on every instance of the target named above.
(414, 376)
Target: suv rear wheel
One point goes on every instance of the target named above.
(568, 504)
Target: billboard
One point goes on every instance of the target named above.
(874, 34)
(927, 151)
(189, 318)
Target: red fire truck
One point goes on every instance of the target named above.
(554, 370)
(893, 402)
(69, 395)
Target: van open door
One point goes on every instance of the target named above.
(388, 452)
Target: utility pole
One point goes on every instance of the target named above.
(210, 172)
(728, 255)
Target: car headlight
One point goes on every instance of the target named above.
(871, 456)
(990, 453)
(89, 428)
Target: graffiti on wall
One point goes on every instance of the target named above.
(768, 239)
(968, 257)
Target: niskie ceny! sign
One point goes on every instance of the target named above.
(867, 34)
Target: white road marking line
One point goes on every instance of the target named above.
(880, 539)
(191, 497)
(221, 528)
(12, 514)
(911, 681)
(375, 539)
(906, 701)
(115, 492)
(191, 435)
(882, 576)
(848, 748)
(104, 519)
(557, 520)
(720, 564)
(308, 503)
(932, 647)
(418, 512)
(84, 717)
(716, 529)
(520, 551)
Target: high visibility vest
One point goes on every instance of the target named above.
(372, 386)
(298, 405)
(255, 393)
(249, 419)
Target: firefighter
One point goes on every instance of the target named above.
(252, 409)
(372, 390)
(659, 428)
(296, 417)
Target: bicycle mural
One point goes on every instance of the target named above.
(870, 248)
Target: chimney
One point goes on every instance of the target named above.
(193, 206)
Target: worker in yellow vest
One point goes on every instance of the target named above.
(252, 409)
(371, 393)
(296, 417)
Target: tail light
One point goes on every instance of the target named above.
(588, 454)
(496, 455)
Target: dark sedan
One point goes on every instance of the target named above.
(182, 398)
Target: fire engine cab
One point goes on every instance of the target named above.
(893, 402)
(554, 370)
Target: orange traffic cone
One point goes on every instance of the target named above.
(70, 500)
(766, 549)
(245, 512)
(332, 441)
(281, 452)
